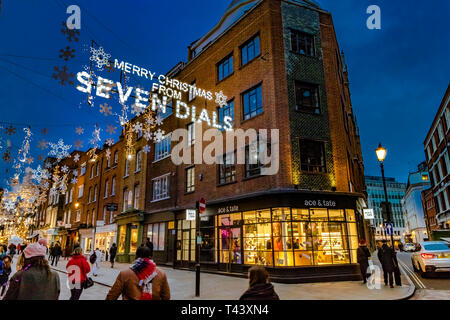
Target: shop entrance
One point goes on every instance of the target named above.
(186, 243)
(230, 246)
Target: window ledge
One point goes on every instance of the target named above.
(225, 78)
(226, 183)
(162, 158)
(188, 193)
(254, 117)
(242, 66)
(137, 171)
(160, 199)
(252, 177)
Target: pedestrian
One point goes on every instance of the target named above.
(5, 271)
(149, 244)
(363, 255)
(142, 281)
(57, 252)
(96, 262)
(386, 257)
(50, 251)
(77, 270)
(397, 274)
(36, 281)
(112, 254)
(12, 249)
(2, 253)
(259, 286)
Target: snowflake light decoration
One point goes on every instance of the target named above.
(137, 127)
(148, 135)
(95, 137)
(48, 165)
(159, 120)
(76, 157)
(105, 109)
(67, 53)
(159, 135)
(59, 150)
(111, 129)
(150, 121)
(146, 149)
(74, 180)
(53, 192)
(63, 75)
(79, 130)
(9, 205)
(221, 99)
(70, 33)
(138, 110)
(65, 169)
(75, 173)
(110, 141)
(39, 174)
(78, 144)
(100, 57)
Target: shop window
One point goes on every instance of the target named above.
(300, 214)
(307, 97)
(122, 238)
(250, 50)
(134, 238)
(156, 233)
(302, 43)
(336, 215)
(319, 214)
(312, 156)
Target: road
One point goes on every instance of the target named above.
(435, 286)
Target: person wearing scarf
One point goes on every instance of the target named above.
(142, 281)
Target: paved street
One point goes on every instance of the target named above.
(435, 286)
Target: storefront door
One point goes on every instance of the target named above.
(230, 245)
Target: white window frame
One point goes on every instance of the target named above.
(138, 161)
(136, 196)
(165, 148)
(161, 188)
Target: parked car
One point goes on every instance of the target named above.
(432, 256)
(411, 247)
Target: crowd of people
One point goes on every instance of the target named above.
(143, 280)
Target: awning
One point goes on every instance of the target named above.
(446, 239)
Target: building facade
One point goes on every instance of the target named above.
(437, 157)
(416, 229)
(375, 193)
(280, 66)
(429, 210)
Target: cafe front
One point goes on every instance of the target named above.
(298, 237)
(129, 234)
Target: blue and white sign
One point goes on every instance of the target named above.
(389, 228)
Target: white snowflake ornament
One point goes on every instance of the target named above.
(221, 99)
(9, 205)
(74, 181)
(100, 57)
(159, 120)
(148, 135)
(159, 135)
(59, 150)
(138, 110)
(65, 169)
(76, 157)
(110, 141)
(39, 174)
(137, 127)
(146, 149)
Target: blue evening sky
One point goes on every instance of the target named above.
(398, 74)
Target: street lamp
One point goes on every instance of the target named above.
(381, 155)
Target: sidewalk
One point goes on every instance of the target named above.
(220, 287)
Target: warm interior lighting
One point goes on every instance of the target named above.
(381, 153)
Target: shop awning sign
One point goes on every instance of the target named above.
(369, 214)
(190, 214)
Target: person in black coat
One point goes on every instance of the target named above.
(149, 244)
(259, 286)
(112, 254)
(386, 255)
(363, 255)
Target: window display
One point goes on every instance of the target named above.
(285, 237)
(122, 236)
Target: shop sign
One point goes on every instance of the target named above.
(100, 223)
(320, 203)
(190, 214)
(112, 207)
(171, 225)
(227, 209)
(368, 214)
(204, 218)
(68, 226)
(199, 239)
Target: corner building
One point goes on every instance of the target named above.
(280, 66)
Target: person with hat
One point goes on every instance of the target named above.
(142, 281)
(36, 281)
(363, 255)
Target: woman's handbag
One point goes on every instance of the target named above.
(88, 283)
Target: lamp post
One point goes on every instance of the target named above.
(381, 155)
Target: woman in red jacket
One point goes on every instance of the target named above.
(77, 269)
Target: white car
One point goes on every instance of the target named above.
(432, 256)
(410, 247)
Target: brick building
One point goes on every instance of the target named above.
(429, 210)
(280, 66)
(438, 161)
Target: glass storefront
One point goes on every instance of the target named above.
(134, 238)
(285, 237)
(122, 238)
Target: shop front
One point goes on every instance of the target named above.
(129, 235)
(297, 237)
(86, 239)
(105, 236)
